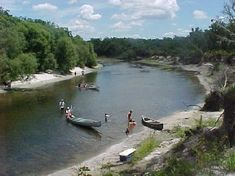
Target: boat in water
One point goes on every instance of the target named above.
(92, 87)
(151, 123)
(88, 87)
(84, 122)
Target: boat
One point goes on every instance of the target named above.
(84, 122)
(92, 87)
(87, 86)
(151, 123)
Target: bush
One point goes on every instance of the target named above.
(213, 102)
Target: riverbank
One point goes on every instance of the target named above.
(42, 79)
(111, 156)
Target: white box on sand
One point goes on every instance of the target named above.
(127, 154)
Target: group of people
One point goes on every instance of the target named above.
(68, 111)
(131, 123)
(80, 85)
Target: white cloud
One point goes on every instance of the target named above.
(80, 26)
(73, 1)
(8, 4)
(169, 34)
(140, 9)
(115, 2)
(120, 26)
(45, 7)
(135, 12)
(178, 32)
(87, 12)
(26, 2)
(121, 16)
(136, 36)
(199, 14)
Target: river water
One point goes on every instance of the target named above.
(36, 139)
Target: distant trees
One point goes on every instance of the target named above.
(197, 46)
(28, 46)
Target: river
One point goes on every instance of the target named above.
(36, 139)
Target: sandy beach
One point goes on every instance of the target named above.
(42, 79)
(184, 118)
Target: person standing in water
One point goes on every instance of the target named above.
(62, 104)
(129, 118)
(130, 124)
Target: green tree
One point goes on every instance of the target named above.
(23, 66)
(4, 69)
(49, 62)
(91, 59)
(65, 54)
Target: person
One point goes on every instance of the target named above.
(106, 116)
(68, 113)
(75, 73)
(83, 73)
(129, 116)
(61, 104)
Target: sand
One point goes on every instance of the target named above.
(111, 155)
(42, 79)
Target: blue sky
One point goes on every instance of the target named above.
(121, 18)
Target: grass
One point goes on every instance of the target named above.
(146, 147)
(176, 167)
(202, 158)
(82, 171)
(229, 161)
(208, 122)
(179, 131)
(108, 174)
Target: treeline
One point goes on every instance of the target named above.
(210, 44)
(28, 46)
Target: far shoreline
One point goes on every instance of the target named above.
(43, 79)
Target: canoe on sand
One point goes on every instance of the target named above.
(151, 123)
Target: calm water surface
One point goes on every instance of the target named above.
(35, 138)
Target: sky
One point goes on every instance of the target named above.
(121, 18)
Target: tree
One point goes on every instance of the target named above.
(4, 69)
(65, 54)
(91, 60)
(12, 42)
(49, 62)
(227, 91)
(23, 66)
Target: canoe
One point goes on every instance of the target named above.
(93, 87)
(84, 122)
(90, 87)
(151, 123)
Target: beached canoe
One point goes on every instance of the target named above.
(151, 123)
(84, 122)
